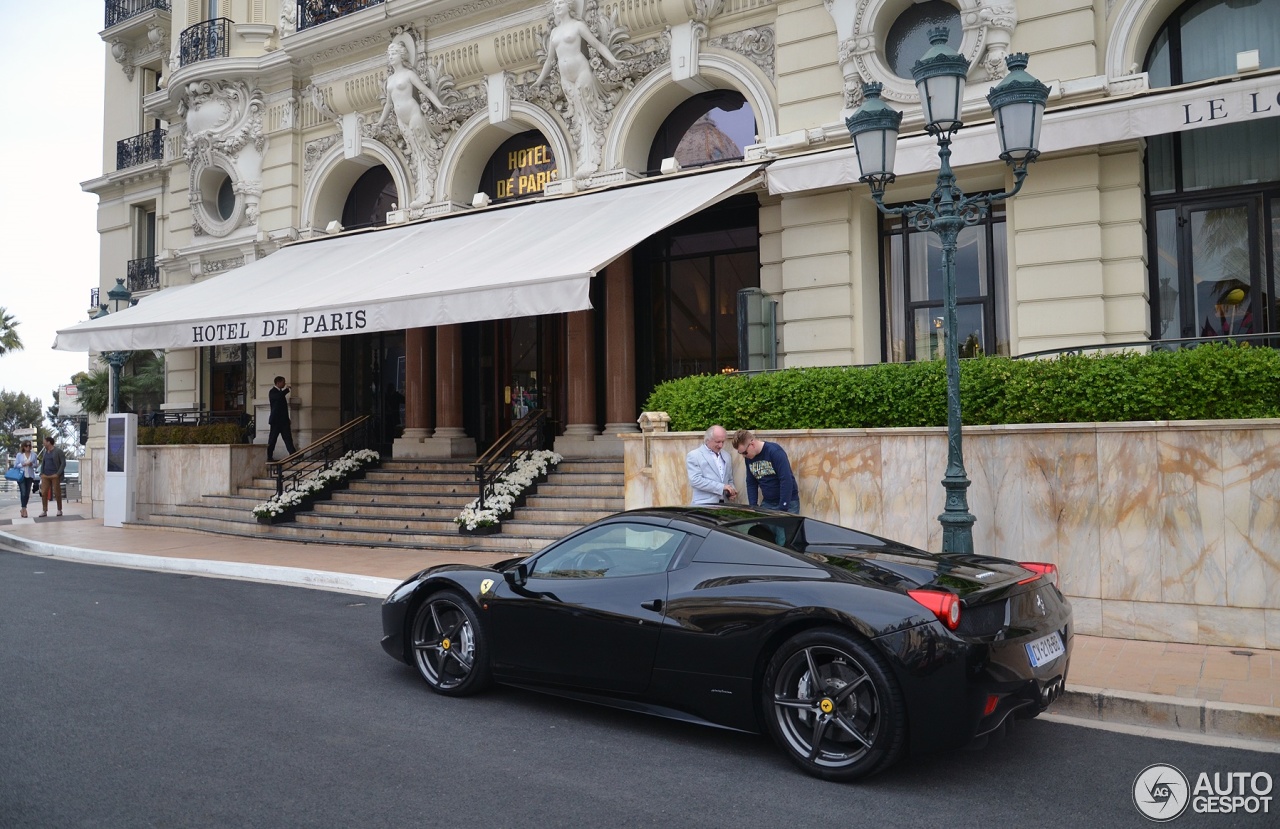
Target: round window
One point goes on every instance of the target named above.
(226, 199)
(908, 38)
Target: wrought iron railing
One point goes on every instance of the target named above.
(526, 434)
(304, 463)
(200, 418)
(1271, 340)
(206, 40)
(142, 274)
(119, 11)
(315, 12)
(93, 298)
(141, 148)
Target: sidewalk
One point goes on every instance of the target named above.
(1190, 689)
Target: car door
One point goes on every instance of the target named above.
(590, 612)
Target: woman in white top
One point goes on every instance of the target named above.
(26, 462)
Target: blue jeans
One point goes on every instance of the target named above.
(24, 490)
(793, 507)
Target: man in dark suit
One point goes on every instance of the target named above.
(279, 419)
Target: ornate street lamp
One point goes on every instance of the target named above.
(120, 298)
(1017, 103)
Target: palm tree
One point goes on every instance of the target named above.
(9, 339)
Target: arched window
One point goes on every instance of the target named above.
(520, 168)
(1213, 201)
(373, 194)
(709, 128)
(1201, 40)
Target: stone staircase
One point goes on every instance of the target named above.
(412, 503)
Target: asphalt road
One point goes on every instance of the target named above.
(138, 699)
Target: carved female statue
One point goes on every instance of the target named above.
(567, 48)
(401, 83)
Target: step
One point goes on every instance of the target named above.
(540, 501)
(566, 516)
(453, 540)
(440, 524)
(403, 499)
(341, 508)
(557, 489)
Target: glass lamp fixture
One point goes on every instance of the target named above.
(874, 129)
(1018, 105)
(940, 77)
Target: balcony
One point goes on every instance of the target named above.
(314, 12)
(142, 275)
(149, 146)
(204, 41)
(119, 11)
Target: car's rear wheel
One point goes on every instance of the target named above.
(450, 649)
(832, 705)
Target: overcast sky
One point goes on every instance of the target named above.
(51, 62)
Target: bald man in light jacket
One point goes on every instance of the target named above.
(710, 469)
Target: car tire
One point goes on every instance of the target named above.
(853, 724)
(448, 645)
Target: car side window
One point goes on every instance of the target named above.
(611, 551)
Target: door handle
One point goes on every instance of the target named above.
(654, 604)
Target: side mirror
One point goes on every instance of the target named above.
(517, 576)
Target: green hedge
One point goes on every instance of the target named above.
(208, 433)
(1211, 382)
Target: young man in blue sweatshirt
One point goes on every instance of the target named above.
(769, 476)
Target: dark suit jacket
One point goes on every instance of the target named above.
(279, 406)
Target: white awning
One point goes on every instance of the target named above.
(1154, 112)
(516, 261)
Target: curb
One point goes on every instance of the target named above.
(291, 576)
(1177, 714)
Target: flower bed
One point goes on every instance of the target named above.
(317, 486)
(486, 518)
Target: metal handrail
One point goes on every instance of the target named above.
(293, 469)
(525, 435)
(1269, 340)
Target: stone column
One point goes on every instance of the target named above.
(419, 377)
(581, 428)
(450, 438)
(620, 353)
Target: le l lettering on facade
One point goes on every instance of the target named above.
(447, 214)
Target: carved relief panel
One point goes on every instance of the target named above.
(223, 143)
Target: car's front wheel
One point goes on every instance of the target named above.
(832, 705)
(450, 650)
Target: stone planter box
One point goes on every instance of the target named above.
(282, 518)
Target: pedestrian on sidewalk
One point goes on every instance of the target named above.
(710, 469)
(52, 464)
(769, 475)
(25, 462)
(279, 419)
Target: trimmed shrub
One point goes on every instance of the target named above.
(218, 433)
(1210, 382)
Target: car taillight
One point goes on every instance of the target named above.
(1040, 568)
(946, 606)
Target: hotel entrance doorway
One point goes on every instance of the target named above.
(513, 367)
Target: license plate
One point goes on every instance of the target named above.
(1045, 649)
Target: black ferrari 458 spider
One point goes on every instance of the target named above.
(847, 648)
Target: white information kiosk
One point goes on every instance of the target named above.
(121, 493)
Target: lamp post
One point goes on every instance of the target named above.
(1017, 103)
(120, 298)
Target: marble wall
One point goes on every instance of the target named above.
(1168, 531)
(182, 474)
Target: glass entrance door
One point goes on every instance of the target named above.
(518, 365)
